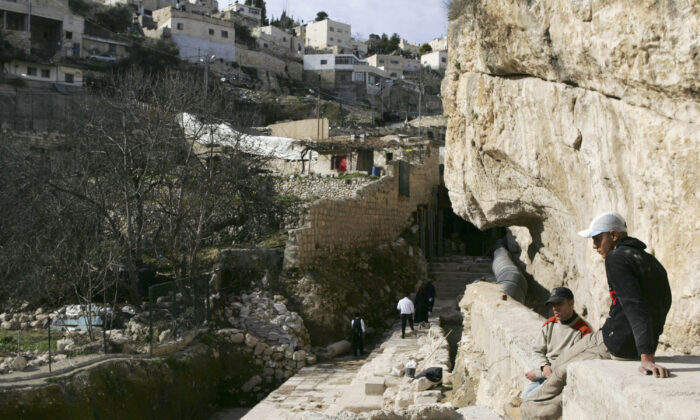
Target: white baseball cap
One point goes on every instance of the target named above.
(605, 223)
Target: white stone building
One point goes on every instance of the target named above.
(436, 60)
(273, 39)
(250, 15)
(396, 66)
(45, 72)
(409, 46)
(328, 34)
(51, 33)
(438, 44)
(196, 35)
(337, 70)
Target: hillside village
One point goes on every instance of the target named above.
(199, 200)
(71, 44)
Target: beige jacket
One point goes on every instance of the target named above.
(556, 337)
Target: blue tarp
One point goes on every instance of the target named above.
(80, 323)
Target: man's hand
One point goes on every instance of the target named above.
(546, 371)
(650, 367)
(531, 376)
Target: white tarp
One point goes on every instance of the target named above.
(222, 134)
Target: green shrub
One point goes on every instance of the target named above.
(16, 82)
(115, 18)
(80, 7)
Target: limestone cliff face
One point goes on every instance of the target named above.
(562, 109)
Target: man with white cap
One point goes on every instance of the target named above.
(641, 298)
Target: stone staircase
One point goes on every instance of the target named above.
(451, 275)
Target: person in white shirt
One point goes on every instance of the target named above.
(407, 310)
(358, 333)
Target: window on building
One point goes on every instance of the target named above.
(31, 71)
(331, 38)
(69, 35)
(284, 38)
(324, 62)
(45, 73)
(69, 78)
(211, 31)
(444, 60)
(389, 157)
(381, 61)
(224, 34)
(331, 29)
(394, 62)
(180, 26)
(265, 44)
(358, 76)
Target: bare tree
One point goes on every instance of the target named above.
(125, 181)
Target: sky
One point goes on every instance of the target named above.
(417, 21)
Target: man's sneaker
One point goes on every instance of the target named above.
(511, 411)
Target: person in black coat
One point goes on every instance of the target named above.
(430, 292)
(422, 303)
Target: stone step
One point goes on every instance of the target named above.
(375, 386)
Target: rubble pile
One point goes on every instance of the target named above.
(24, 320)
(272, 335)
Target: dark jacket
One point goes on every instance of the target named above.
(641, 298)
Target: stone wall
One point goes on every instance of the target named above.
(376, 215)
(38, 107)
(261, 60)
(496, 347)
(560, 110)
(301, 129)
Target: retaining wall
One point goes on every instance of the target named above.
(261, 60)
(377, 214)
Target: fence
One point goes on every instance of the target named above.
(176, 308)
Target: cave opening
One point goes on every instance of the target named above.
(445, 233)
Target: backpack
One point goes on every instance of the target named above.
(357, 326)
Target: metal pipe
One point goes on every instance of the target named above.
(507, 273)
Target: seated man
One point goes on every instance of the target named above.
(640, 300)
(558, 334)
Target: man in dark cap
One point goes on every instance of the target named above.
(559, 333)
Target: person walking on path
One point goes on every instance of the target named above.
(430, 292)
(357, 325)
(421, 316)
(407, 310)
(641, 299)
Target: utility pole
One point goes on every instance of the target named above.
(420, 100)
(206, 77)
(206, 60)
(318, 110)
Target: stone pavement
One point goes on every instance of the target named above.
(377, 382)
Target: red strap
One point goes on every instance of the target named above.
(613, 296)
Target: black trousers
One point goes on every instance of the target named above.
(357, 344)
(404, 318)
